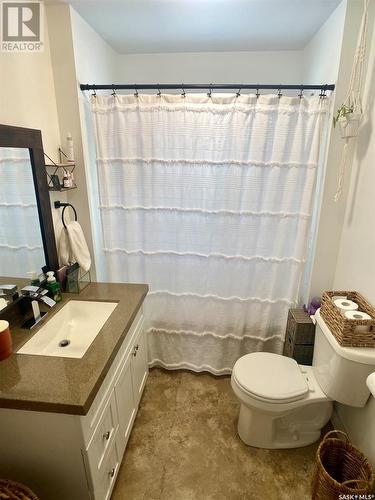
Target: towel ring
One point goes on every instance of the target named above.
(58, 204)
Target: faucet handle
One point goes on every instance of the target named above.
(47, 300)
(36, 311)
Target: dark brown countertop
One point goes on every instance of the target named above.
(69, 385)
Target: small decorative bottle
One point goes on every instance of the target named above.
(69, 147)
(66, 179)
(53, 287)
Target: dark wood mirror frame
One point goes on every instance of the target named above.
(19, 137)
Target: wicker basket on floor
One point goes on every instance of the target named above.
(11, 490)
(340, 469)
(344, 329)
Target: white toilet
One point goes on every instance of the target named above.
(285, 405)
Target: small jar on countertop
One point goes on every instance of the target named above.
(5, 340)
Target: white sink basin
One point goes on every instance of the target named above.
(70, 332)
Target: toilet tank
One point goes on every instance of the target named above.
(341, 371)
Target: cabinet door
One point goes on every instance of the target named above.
(126, 406)
(139, 364)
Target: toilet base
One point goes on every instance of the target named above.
(299, 427)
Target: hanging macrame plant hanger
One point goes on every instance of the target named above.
(349, 115)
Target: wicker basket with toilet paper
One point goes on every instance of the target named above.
(350, 318)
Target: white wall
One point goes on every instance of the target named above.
(355, 268)
(331, 216)
(321, 56)
(321, 64)
(27, 94)
(77, 53)
(28, 99)
(95, 61)
(207, 67)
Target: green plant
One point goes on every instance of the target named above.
(342, 112)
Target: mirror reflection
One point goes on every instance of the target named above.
(21, 244)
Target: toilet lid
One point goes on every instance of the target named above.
(270, 377)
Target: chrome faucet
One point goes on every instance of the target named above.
(36, 295)
(39, 294)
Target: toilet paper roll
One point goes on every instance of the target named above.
(346, 304)
(358, 315)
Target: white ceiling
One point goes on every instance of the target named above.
(153, 26)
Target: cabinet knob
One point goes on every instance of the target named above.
(112, 472)
(136, 347)
(106, 435)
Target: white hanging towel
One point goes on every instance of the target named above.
(63, 249)
(78, 246)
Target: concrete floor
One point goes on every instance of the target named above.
(184, 446)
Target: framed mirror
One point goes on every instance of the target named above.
(27, 239)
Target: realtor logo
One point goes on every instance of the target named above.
(21, 26)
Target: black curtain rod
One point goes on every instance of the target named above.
(205, 86)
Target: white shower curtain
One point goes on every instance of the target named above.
(21, 247)
(208, 200)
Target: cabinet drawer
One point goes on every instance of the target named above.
(104, 434)
(106, 475)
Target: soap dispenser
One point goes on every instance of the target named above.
(53, 287)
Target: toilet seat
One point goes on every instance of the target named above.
(270, 378)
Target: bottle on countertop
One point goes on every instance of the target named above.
(69, 147)
(66, 179)
(34, 278)
(53, 287)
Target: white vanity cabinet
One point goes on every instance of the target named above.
(77, 457)
(108, 424)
